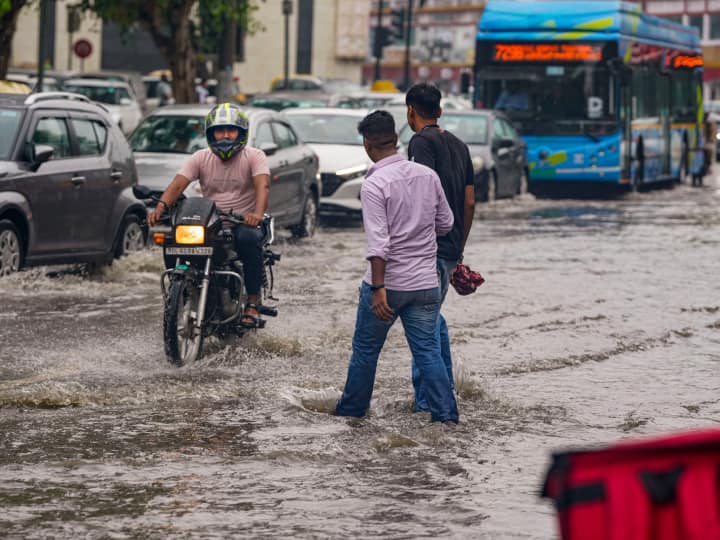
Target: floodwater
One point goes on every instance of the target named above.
(599, 320)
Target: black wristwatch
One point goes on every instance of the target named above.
(374, 288)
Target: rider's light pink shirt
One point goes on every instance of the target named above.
(228, 183)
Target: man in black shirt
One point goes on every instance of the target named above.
(449, 157)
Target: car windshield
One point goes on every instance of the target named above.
(110, 95)
(340, 85)
(469, 128)
(165, 133)
(278, 104)
(326, 128)
(9, 122)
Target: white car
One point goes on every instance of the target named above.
(333, 136)
(116, 96)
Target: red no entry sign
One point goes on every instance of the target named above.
(82, 48)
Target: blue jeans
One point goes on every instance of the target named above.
(418, 311)
(445, 268)
(249, 245)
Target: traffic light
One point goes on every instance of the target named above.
(383, 37)
(397, 24)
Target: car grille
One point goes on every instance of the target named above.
(330, 183)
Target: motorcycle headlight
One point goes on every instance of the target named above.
(189, 234)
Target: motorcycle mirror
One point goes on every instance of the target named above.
(142, 192)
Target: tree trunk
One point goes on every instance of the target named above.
(171, 33)
(8, 23)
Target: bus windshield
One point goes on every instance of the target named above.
(558, 99)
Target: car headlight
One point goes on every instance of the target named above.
(478, 163)
(189, 234)
(116, 117)
(352, 172)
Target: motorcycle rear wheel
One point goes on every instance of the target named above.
(183, 340)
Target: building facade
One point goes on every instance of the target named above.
(327, 38)
(442, 42)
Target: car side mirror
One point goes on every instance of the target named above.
(142, 192)
(505, 142)
(39, 154)
(125, 101)
(269, 148)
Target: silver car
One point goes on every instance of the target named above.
(333, 135)
(66, 177)
(165, 139)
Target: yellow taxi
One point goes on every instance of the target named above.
(14, 87)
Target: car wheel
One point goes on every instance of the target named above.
(491, 192)
(308, 222)
(131, 238)
(523, 184)
(11, 250)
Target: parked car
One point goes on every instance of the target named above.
(333, 136)
(14, 87)
(117, 97)
(66, 177)
(165, 139)
(132, 78)
(279, 101)
(499, 155)
(50, 84)
(311, 83)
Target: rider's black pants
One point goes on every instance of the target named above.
(249, 245)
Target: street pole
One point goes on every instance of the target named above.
(408, 27)
(41, 45)
(287, 10)
(376, 49)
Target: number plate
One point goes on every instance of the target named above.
(200, 250)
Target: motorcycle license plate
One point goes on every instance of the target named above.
(199, 250)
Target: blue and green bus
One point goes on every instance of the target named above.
(600, 91)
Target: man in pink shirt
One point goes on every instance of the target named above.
(404, 209)
(237, 178)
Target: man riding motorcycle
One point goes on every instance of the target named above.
(237, 178)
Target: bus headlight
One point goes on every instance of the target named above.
(189, 234)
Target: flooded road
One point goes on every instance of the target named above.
(599, 320)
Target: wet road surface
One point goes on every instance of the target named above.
(599, 320)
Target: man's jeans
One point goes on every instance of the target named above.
(445, 268)
(249, 245)
(418, 311)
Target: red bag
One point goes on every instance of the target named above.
(666, 488)
(464, 280)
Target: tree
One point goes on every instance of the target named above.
(169, 23)
(9, 11)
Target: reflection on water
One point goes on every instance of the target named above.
(601, 327)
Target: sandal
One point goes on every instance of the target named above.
(248, 320)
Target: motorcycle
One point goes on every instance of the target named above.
(203, 286)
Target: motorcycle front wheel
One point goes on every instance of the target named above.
(183, 340)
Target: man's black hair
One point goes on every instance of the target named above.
(425, 99)
(378, 127)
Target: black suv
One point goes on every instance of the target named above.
(66, 177)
